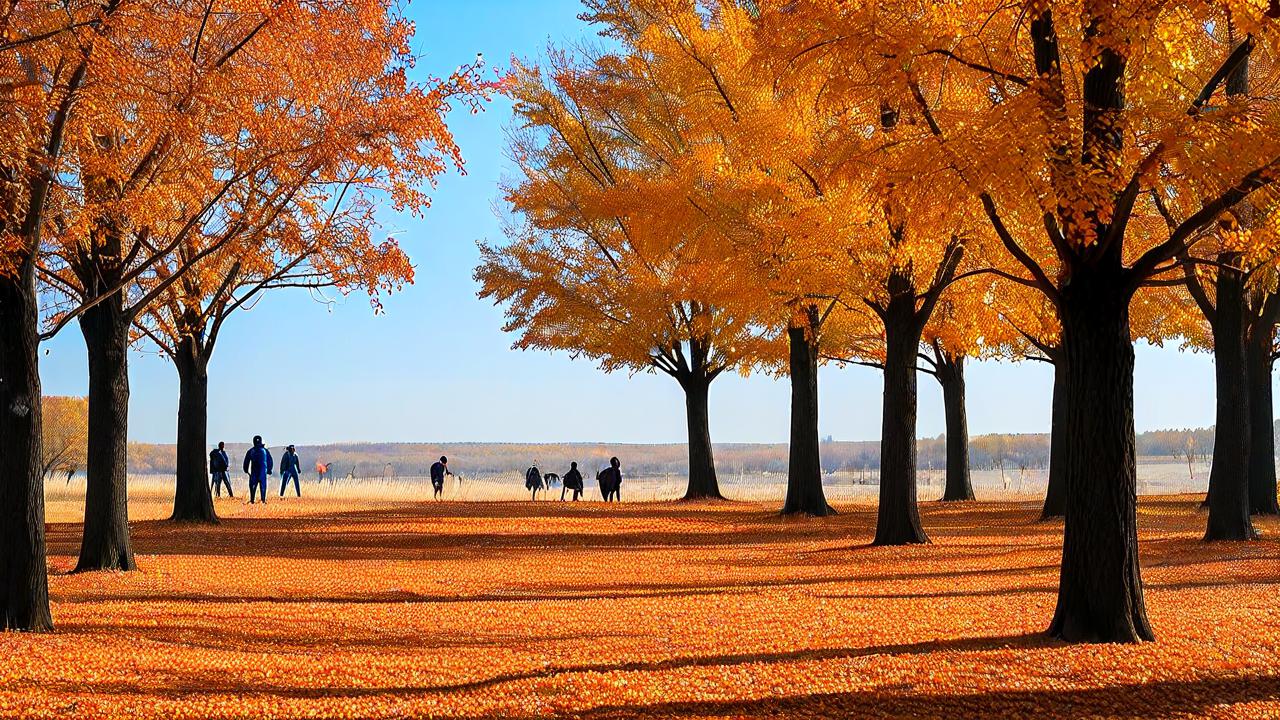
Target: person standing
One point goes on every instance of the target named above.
(439, 469)
(572, 481)
(258, 465)
(533, 479)
(290, 466)
(611, 481)
(219, 464)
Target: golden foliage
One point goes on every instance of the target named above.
(248, 144)
(64, 433)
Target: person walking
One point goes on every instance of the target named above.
(219, 464)
(258, 465)
(533, 479)
(439, 469)
(611, 481)
(290, 466)
(572, 481)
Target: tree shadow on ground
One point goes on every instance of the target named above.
(1157, 699)
(182, 685)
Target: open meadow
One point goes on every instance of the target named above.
(376, 603)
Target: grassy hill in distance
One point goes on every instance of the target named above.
(371, 459)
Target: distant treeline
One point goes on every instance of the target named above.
(367, 460)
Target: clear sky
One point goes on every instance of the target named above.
(436, 366)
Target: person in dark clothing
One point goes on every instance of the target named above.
(439, 469)
(611, 481)
(219, 464)
(533, 480)
(258, 465)
(572, 481)
(290, 466)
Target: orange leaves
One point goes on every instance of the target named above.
(613, 246)
(224, 154)
(233, 149)
(362, 610)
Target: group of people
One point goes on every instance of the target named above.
(258, 464)
(610, 480)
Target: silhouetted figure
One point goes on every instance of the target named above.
(533, 480)
(290, 466)
(71, 472)
(219, 464)
(572, 481)
(439, 469)
(611, 481)
(258, 465)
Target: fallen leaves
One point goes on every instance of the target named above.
(521, 610)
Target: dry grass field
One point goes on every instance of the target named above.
(372, 606)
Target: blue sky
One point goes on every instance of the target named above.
(436, 366)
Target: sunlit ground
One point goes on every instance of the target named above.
(335, 606)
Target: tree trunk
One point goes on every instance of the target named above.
(1228, 476)
(106, 545)
(959, 486)
(192, 501)
(1262, 449)
(1100, 588)
(804, 467)
(1055, 497)
(702, 466)
(24, 584)
(898, 518)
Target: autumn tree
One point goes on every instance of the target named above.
(222, 125)
(307, 224)
(837, 234)
(64, 436)
(765, 212)
(594, 264)
(46, 54)
(873, 175)
(1037, 337)
(1087, 104)
(964, 325)
(1225, 309)
(1263, 301)
(1232, 292)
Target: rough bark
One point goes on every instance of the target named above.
(24, 588)
(702, 466)
(193, 500)
(898, 516)
(1262, 449)
(1056, 494)
(950, 374)
(804, 467)
(106, 544)
(1100, 588)
(1228, 477)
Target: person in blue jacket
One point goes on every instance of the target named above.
(258, 465)
(290, 466)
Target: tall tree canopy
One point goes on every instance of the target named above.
(149, 147)
(1095, 117)
(607, 255)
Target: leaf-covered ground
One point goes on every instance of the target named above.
(522, 610)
